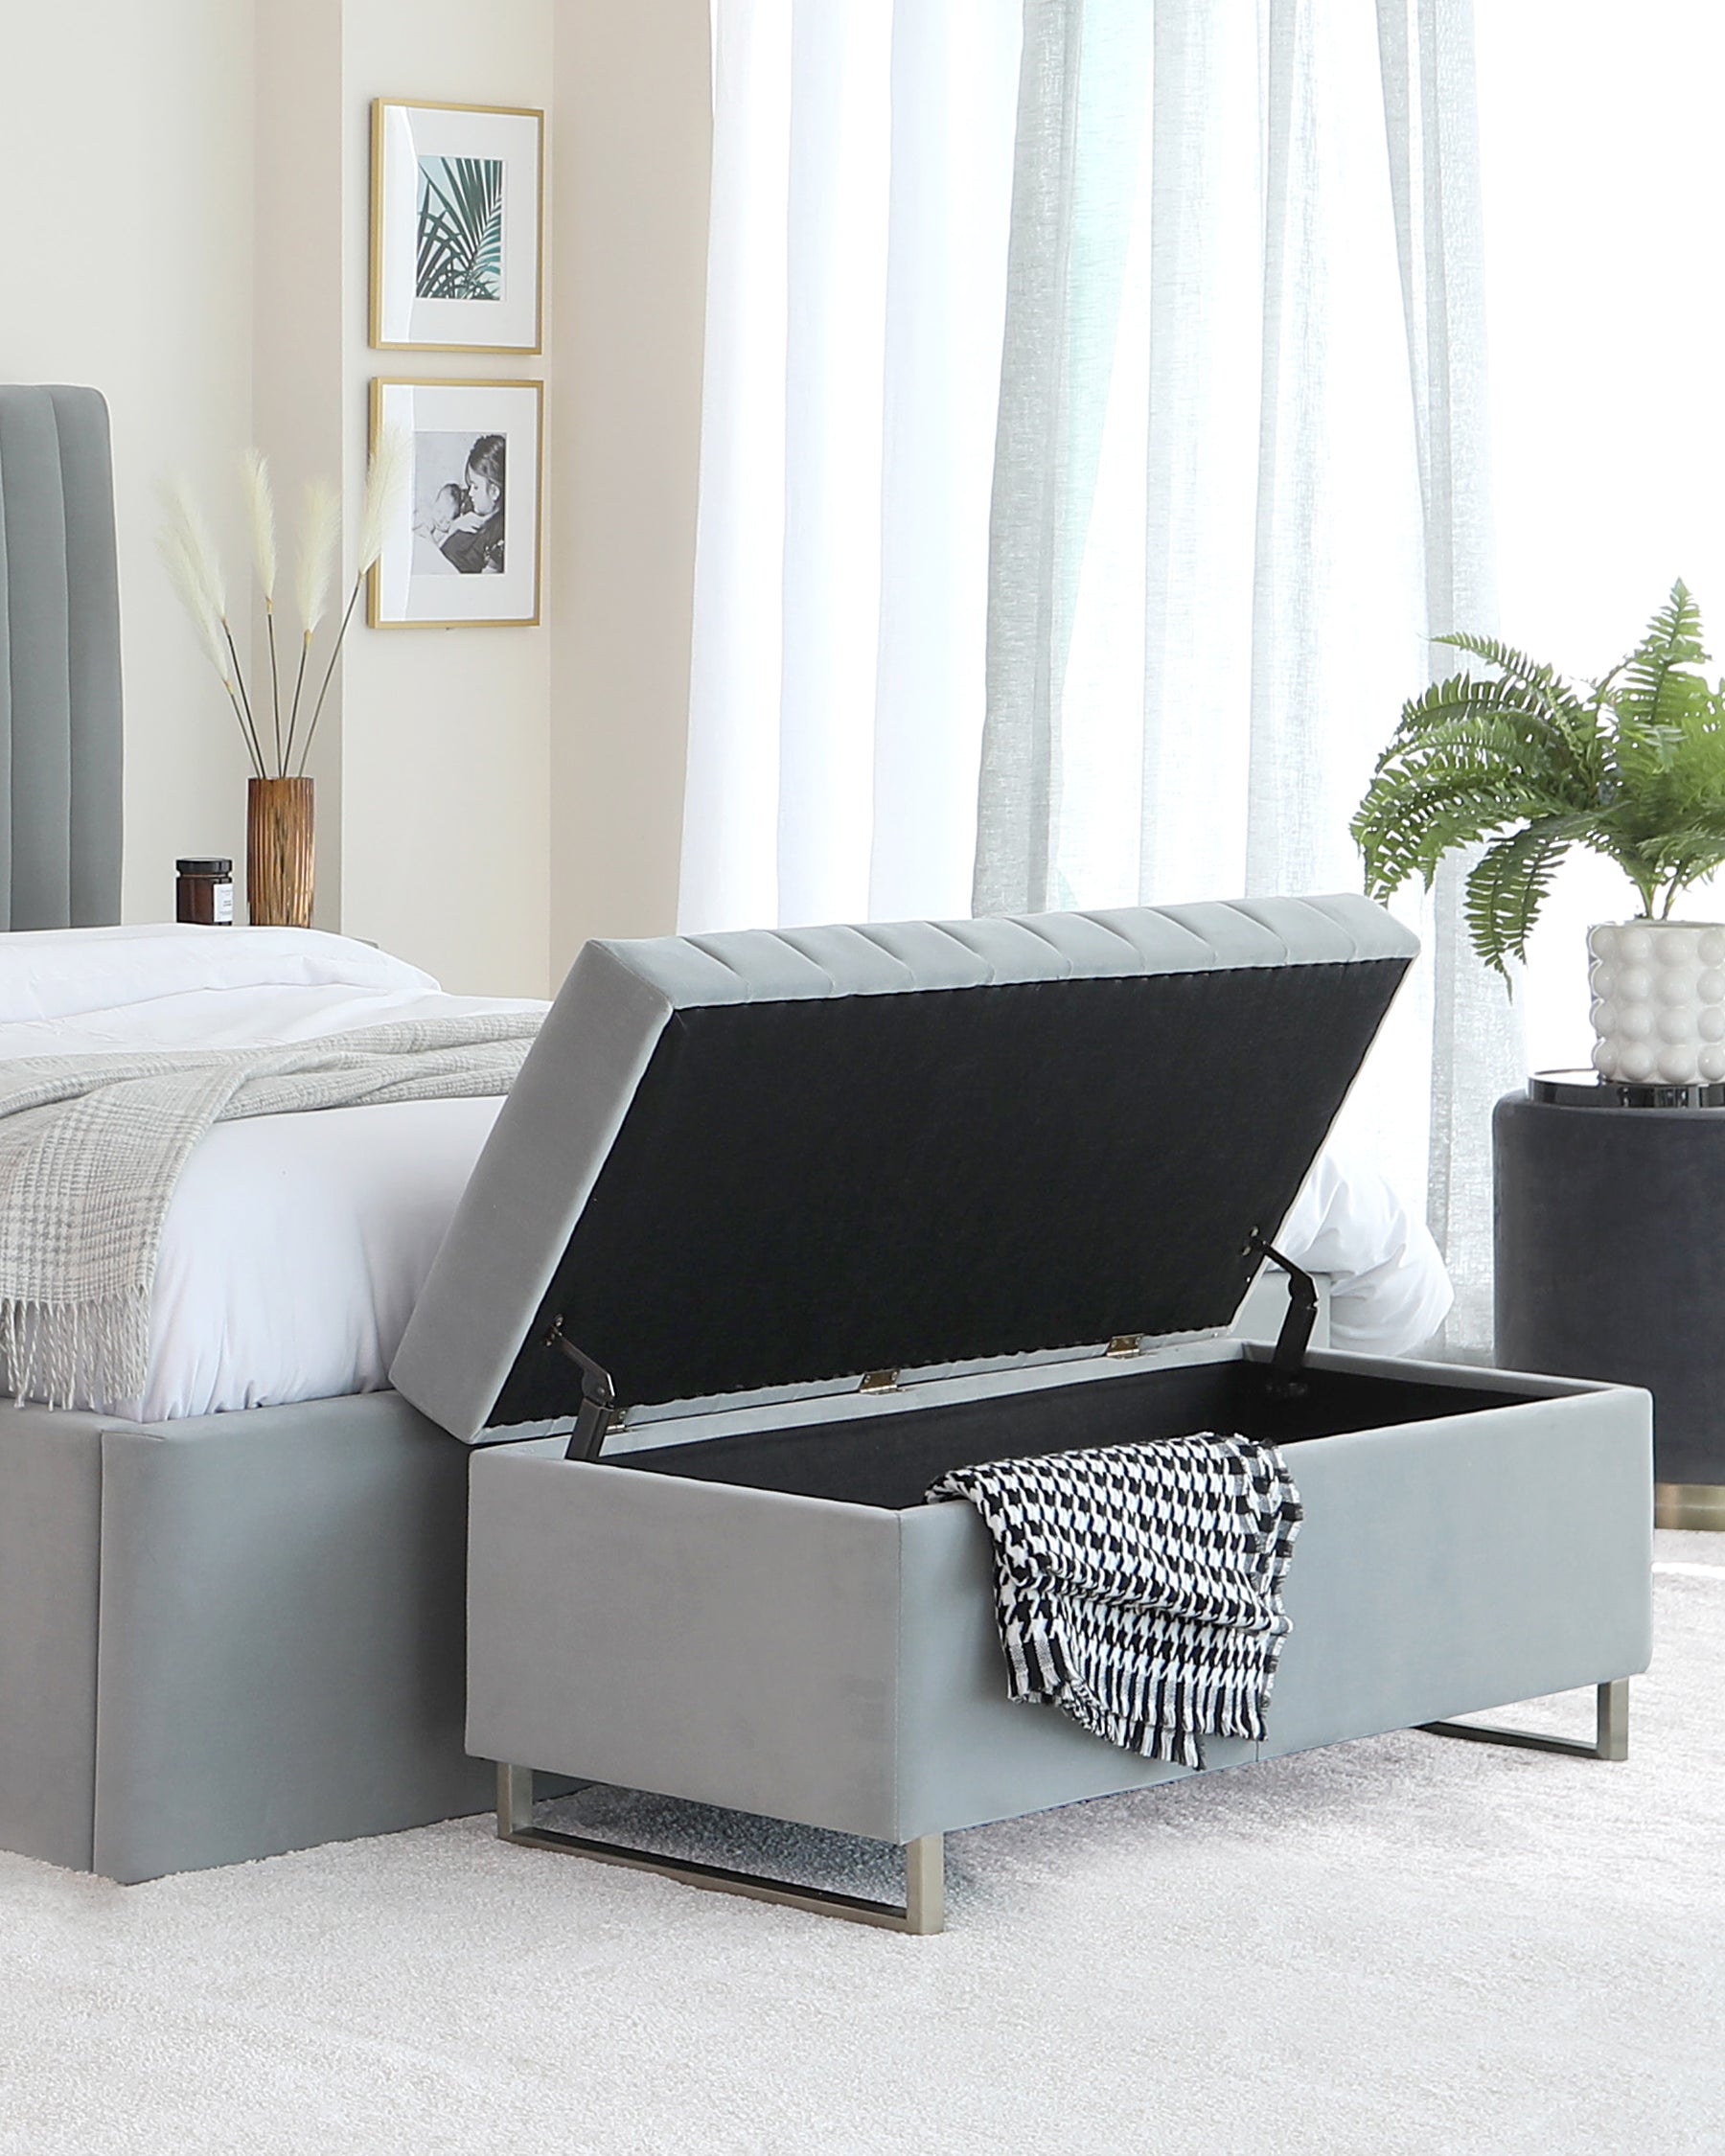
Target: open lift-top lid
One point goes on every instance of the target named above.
(765, 1159)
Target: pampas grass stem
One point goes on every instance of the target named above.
(244, 699)
(299, 682)
(191, 558)
(192, 564)
(183, 573)
(386, 480)
(320, 535)
(275, 686)
(329, 671)
(260, 503)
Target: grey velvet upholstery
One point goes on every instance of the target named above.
(840, 1663)
(49, 1599)
(229, 1636)
(545, 1155)
(59, 662)
(1449, 1567)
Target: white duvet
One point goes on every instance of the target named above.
(296, 1245)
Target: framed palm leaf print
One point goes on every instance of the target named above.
(457, 216)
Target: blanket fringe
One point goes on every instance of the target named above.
(75, 1354)
(92, 1147)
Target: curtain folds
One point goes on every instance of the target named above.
(1094, 442)
(1431, 123)
(1240, 484)
(861, 177)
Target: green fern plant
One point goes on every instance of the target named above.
(1632, 768)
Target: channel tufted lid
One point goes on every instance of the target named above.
(766, 1159)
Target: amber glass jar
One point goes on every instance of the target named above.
(205, 893)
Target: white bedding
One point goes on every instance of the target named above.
(296, 1245)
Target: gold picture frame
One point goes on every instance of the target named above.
(453, 173)
(453, 557)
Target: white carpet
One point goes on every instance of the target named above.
(1404, 1944)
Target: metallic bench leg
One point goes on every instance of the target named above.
(925, 1868)
(1614, 1720)
(924, 1884)
(515, 1802)
(1611, 1739)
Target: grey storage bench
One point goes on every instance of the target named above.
(797, 1222)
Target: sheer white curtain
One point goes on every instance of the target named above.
(1234, 452)
(1240, 482)
(1610, 456)
(861, 182)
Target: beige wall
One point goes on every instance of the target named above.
(446, 733)
(299, 383)
(128, 130)
(633, 153)
(198, 250)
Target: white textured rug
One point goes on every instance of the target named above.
(1404, 1944)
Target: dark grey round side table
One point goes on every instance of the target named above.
(1610, 1260)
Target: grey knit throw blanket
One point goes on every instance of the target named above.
(1139, 1587)
(91, 1148)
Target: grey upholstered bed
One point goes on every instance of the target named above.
(230, 1635)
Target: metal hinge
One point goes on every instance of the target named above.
(598, 1397)
(1124, 1345)
(880, 1381)
(1287, 1359)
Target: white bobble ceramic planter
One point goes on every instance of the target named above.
(1659, 1002)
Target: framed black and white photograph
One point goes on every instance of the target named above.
(463, 548)
(457, 215)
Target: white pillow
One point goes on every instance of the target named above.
(65, 972)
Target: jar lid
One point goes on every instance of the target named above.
(204, 867)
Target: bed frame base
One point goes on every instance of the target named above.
(1611, 1730)
(923, 1913)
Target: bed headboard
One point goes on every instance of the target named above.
(59, 662)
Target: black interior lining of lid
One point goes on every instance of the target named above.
(890, 1458)
(809, 1189)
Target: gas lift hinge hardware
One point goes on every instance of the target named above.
(598, 1397)
(1287, 1359)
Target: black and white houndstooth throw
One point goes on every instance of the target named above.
(1138, 1585)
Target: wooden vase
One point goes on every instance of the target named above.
(279, 852)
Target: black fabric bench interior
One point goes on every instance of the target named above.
(891, 1459)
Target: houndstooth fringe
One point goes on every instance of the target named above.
(1139, 1587)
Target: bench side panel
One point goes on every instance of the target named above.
(734, 1647)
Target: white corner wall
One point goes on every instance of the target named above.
(444, 732)
(633, 154)
(128, 131)
(198, 250)
(300, 223)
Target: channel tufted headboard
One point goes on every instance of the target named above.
(59, 662)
